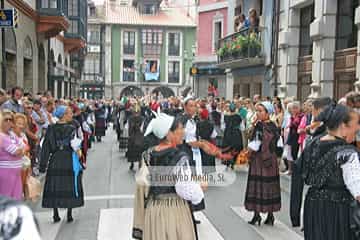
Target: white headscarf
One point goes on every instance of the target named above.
(160, 125)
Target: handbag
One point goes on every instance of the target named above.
(32, 189)
(355, 218)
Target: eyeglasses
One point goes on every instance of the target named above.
(8, 119)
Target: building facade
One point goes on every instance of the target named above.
(247, 58)
(212, 21)
(93, 77)
(151, 48)
(318, 48)
(39, 52)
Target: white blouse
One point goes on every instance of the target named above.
(351, 174)
(186, 187)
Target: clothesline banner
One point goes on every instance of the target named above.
(152, 70)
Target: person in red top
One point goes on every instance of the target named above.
(293, 138)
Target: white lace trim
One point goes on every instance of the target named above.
(351, 174)
(185, 187)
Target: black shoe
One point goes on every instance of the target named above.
(197, 222)
(255, 219)
(56, 219)
(70, 219)
(270, 220)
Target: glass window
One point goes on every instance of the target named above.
(217, 33)
(306, 17)
(149, 9)
(174, 44)
(73, 27)
(346, 36)
(47, 3)
(94, 36)
(174, 72)
(92, 11)
(128, 71)
(73, 7)
(129, 43)
(150, 36)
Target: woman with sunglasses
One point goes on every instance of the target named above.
(11, 153)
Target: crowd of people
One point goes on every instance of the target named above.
(315, 143)
(43, 136)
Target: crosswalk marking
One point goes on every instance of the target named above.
(277, 232)
(48, 229)
(109, 197)
(116, 223)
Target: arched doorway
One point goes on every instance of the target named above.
(51, 72)
(28, 65)
(41, 69)
(165, 91)
(60, 73)
(11, 66)
(131, 91)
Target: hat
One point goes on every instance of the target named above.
(268, 106)
(160, 125)
(60, 111)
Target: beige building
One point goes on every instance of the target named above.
(44, 52)
(318, 48)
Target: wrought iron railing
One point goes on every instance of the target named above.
(173, 78)
(128, 77)
(247, 43)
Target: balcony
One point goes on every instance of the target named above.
(128, 77)
(51, 20)
(174, 78)
(241, 49)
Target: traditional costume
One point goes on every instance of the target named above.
(263, 193)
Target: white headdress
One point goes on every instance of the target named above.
(160, 125)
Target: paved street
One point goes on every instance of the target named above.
(107, 215)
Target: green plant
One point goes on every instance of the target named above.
(254, 42)
(222, 51)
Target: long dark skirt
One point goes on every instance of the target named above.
(208, 163)
(326, 220)
(263, 193)
(100, 127)
(59, 189)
